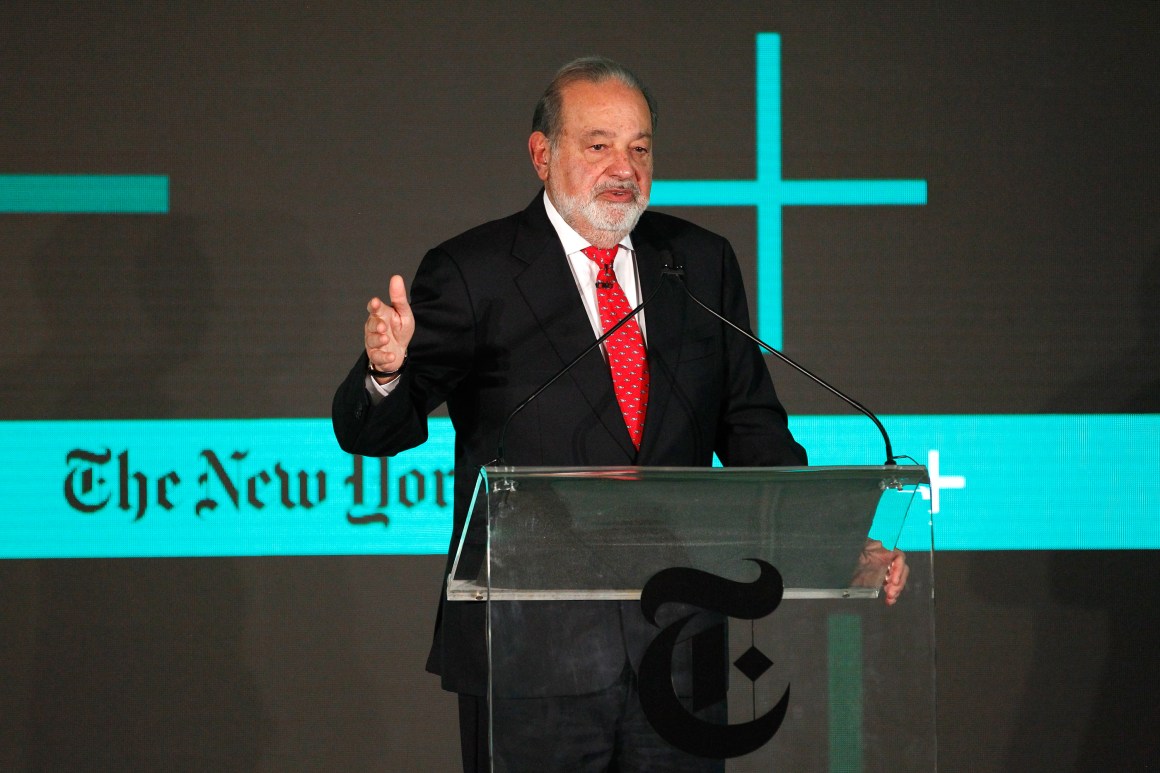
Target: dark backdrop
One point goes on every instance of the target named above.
(314, 149)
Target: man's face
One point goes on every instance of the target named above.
(598, 173)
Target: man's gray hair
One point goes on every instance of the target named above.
(589, 69)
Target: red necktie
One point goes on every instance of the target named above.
(626, 356)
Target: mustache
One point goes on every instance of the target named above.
(627, 185)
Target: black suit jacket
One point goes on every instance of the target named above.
(497, 313)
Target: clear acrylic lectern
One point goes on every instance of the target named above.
(744, 599)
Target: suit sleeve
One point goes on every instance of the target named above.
(441, 353)
(752, 429)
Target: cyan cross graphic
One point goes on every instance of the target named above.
(770, 193)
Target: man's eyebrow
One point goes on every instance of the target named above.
(606, 134)
(595, 133)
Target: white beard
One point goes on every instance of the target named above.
(603, 223)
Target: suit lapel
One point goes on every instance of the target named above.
(549, 289)
(665, 322)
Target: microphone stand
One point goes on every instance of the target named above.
(678, 272)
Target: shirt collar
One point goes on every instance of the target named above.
(572, 241)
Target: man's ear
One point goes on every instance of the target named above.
(541, 152)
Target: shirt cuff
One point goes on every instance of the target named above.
(377, 391)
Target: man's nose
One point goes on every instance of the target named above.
(620, 165)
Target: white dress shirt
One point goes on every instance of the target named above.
(584, 269)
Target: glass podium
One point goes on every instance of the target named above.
(746, 601)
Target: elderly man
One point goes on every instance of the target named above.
(493, 314)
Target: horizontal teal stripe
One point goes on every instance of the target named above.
(84, 194)
(1029, 482)
(735, 193)
(283, 487)
(704, 193)
(215, 488)
(852, 192)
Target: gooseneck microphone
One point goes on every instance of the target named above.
(567, 367)
(675, 269)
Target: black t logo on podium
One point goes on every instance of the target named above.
(669, 717)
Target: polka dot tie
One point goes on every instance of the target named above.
(626, 356)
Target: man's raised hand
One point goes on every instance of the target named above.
(388, 330)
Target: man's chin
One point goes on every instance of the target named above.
(616, 216)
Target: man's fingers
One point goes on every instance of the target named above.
(389, 326)
(896, 576)
(398, 295)
(402, 321)
(376, 323)
(900, 574)
(376, 331)
(397, 289)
